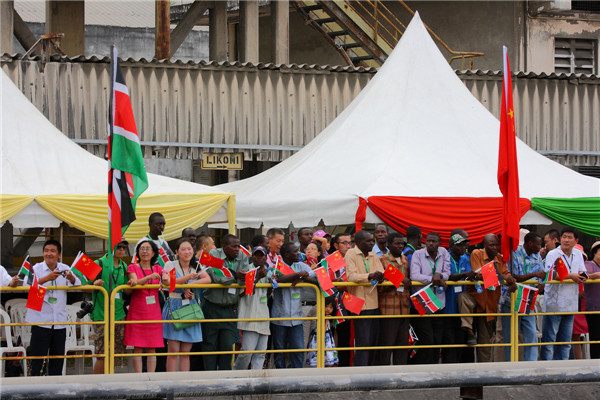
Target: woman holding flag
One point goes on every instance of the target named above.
(187, 270)
(144, 304)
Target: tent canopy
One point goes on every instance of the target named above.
(414, 137)
(47, 178)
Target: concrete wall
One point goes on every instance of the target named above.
(131, 42)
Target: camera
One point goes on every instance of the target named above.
(86, 308)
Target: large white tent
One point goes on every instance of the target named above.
(414, 132)
(47, 178)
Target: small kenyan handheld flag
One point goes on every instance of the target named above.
(426, 302)
(26, 267)
(526, 297)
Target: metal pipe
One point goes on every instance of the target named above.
(231, 383)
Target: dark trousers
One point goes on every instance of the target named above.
(365, 334)
(343, 336)
(593, 321)
(453, 334)
(45, 342)
(392, 332)
(429, 331)
(218, 336)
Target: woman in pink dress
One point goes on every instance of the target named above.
(144, 305)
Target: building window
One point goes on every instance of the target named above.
(575, 56)
(589, 6)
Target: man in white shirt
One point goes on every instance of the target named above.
(562, 297)
(50, 339)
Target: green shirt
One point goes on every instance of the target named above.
(112, 278)
(225, 297)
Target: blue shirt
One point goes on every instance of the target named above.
(287, 301)
(408, 252)
(379, 252)
(464, 265)
(523, 265)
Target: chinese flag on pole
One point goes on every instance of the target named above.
(35, 298)
(508, 170)
(490, 278)
(210, 261)
(393, 275)
(561, 269)
(352, 303)
(86, 266)
(249, 280)
(335, 262)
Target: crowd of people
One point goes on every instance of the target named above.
(366, 256)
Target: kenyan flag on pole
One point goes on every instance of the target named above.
(526, 297)
(127, 178)
(426, 302)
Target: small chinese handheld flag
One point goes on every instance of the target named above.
(86, 266)
(210, 261)
(508, 169)
(352, 303)
(334, 262)
(561, 269)
(325, 282)
(245, 251)
(26, 267)
(393, 275)
(250, 278)
(490, 278)
(282, 268)
(172, 280)
(35, 298)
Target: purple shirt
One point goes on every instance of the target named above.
(422, 267)
(592, 290)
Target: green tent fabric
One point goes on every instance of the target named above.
(580, 212)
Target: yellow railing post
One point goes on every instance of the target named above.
(108, 339)
(514, 329)
(320, 328)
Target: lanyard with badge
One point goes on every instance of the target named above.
(263, 299)
(295, 295)
(231, 265)
(525, 266)
(150, 299)
(366, 263)
(113, 282)
(456, 270)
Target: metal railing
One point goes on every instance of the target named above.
(320, 318)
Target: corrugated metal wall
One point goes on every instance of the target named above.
(258, 107)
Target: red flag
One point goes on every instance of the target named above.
(86, 266)
(561, 269)
(210, 261)
(335, 261)
(352, 303)
(508, 170)
(245, 251)
(393, 275)
(35, 298)
(163, 257)
(250, 277)
(127, 177)
(282, 268)
(490, 278)
(172, 280)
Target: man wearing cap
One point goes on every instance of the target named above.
(255, 334)
(460, 270)
(112, 275)
(380, 234)
(527, 264)
(592, 299)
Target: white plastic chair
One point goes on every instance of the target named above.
(72, 342)
(9, 347)
(11, 302)
(17, 314)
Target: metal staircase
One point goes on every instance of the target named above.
(364, 32)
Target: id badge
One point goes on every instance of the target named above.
(150, 300)
(400, 289)
(185, 302)
(263, 299)
(457, 289)
(52, 300)
(117, 296)
(232, 291)
(295, 296)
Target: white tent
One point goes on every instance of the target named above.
(47, 178)
(414, 131)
